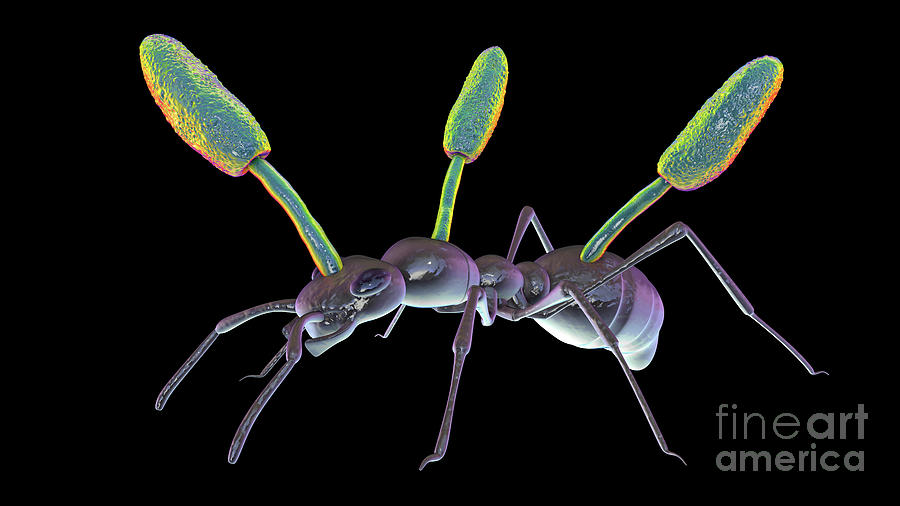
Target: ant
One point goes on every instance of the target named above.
(582, 295)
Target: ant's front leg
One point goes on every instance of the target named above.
(461, 344)
(293, 352)
(225, 325)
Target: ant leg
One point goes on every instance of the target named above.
(613, 343)
(458, 308)
(487, 306)
(286, 331)
(674, 233)
(552, 299)
(461, 344)
(525, 216)
(229, 323)
(566, 290)
(237, 319)
(293, 353)
(268, 368)
(393, 322)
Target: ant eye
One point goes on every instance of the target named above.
(370, 282)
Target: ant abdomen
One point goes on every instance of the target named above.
(629, 304)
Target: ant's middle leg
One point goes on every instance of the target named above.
(461, 344)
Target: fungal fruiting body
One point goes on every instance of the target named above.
(218, 126)
(203, 113)
(706, 146)
(470, 125)
(716, 134)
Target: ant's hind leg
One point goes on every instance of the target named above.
(229, 323)
(613, 344)
(461, 344)
(526, 216)
(674, 233)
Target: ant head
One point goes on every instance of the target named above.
(364, 289)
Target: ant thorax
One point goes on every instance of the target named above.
(437, 273)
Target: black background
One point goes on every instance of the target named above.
(355, 117)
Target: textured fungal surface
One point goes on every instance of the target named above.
(203, 113)
(475, 113)
(716, 134)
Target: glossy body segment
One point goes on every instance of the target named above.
(501, 275)
(436, 273)
(595, 248)
(320, 249)
(474, 115)
(629, 305)
(203, 113)
(716, 134)
(536, 282)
